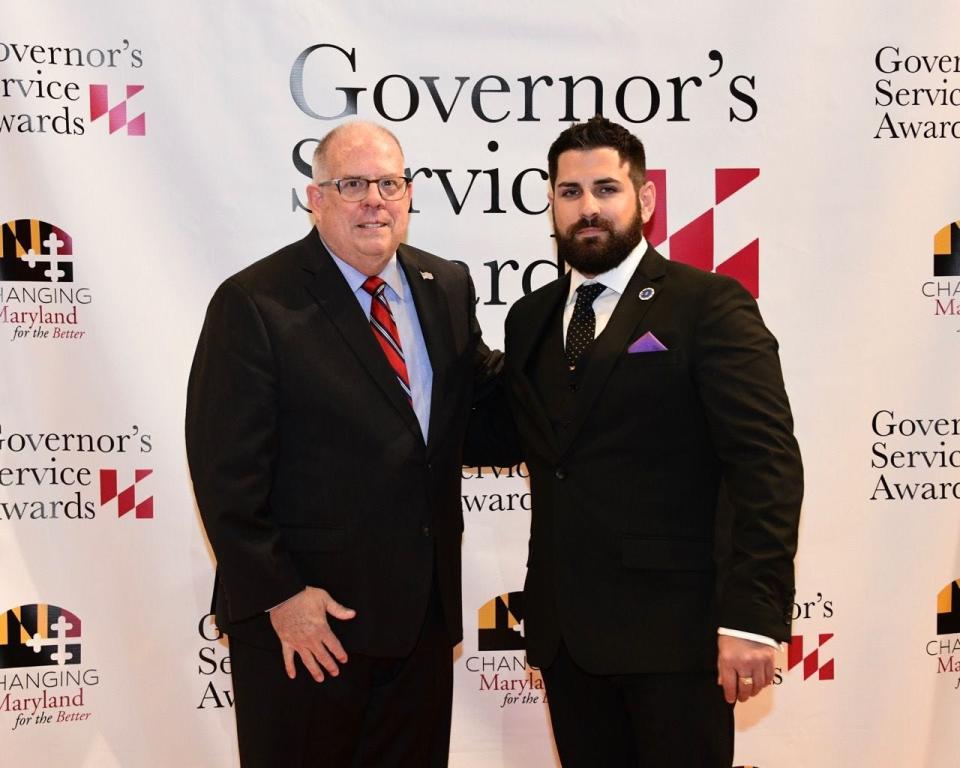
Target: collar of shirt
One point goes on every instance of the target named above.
(615, 279)
(390, 274)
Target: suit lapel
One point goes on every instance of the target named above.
(613, 341)
(328, 287)
(542, 309)
(433, 313)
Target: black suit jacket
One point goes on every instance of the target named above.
(671, 468)
(308, 463)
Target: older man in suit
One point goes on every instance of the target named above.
(327, 404)
(666, 481)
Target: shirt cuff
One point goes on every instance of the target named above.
(749, 636)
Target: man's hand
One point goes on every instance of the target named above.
(744, 667)
(301, 624)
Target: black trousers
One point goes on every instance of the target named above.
(673, 720)
(377, 712)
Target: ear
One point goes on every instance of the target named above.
(314, 197)
(549, 195)
(647, 199)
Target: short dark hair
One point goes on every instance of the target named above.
(596, 133)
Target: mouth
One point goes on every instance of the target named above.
(590, 228)
(371, 225)
(590, 232)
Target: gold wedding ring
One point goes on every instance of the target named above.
(746, 680)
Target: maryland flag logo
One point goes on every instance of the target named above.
(946, 251)
(35, 251)
(948, 609)
(500, 623)
(39, 635)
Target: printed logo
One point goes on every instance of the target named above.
(948, 609)
(812, 662)
(500, 623)
(43, 87)
(126, 498)
(504, 674)
(100, 106)
(43, 635)
(946, 647)
(946, 251)
(944, 295)
(693, 243)
(39, 635)
(35, 251)
(54, 476)
(37, 297)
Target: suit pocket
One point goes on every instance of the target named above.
(667, 554)
(304, 538)
(670, 357)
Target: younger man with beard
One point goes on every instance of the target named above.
(646, 394)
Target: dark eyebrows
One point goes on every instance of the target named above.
(595, 182)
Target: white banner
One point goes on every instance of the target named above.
(149, 152)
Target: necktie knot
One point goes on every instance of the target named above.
(589, 291)
(373, 285)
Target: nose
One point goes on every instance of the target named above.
(589, 205)
(373, 198)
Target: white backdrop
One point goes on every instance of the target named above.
(842, 206)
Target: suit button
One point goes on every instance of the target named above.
(426, 530)
(560, 474)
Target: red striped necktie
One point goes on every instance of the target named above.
(385, 332)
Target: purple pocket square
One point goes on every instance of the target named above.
(646, 343)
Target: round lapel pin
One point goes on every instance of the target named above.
(646, 294)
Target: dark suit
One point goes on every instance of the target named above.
(630, 460)
(308, 463)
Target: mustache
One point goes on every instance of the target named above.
(591, 222)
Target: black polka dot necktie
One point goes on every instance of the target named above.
(583, 323)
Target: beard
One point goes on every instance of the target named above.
(596, 255)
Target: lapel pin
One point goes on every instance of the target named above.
(646, 294)
(427, 275)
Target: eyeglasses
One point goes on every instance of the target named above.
(354, 189)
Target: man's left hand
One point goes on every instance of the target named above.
(744, 667)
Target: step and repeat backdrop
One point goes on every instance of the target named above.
(149, 151)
